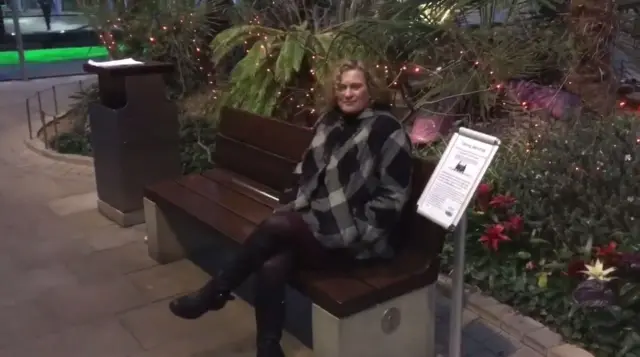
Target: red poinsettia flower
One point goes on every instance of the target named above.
(483, 197)
(515, 224)
(607, 250)
(502, 201)
(575, 269)
(493, 236)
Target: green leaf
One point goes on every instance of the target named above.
(630, 295)
(539, 241)
(290, 57)
(523, 255)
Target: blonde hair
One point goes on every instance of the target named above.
(378, 91)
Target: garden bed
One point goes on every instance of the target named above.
(554, 232)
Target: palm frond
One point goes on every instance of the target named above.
(230, 39)
(291, 55)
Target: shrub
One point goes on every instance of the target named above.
(197, 136)
(72, 143)
(574, 190)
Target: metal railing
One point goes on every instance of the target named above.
(48, 104)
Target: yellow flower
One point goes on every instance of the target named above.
(598, 272)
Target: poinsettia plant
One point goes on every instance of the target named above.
(494, 221)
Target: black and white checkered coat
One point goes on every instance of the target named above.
(367, 183)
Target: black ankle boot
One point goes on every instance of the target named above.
(258, 247)
(208, 298)
(269, 324)
(270, 313)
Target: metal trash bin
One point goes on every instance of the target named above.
(134, 136)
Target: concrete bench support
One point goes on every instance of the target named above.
(404, 326)
(162, 241)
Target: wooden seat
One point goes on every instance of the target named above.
(255, 157)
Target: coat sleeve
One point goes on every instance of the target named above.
(383, 211)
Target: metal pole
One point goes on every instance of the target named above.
(457, 289)
(29, 120)
(55, 100)
(43, 122)
(18, 37)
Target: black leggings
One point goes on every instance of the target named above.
(279, 245)
(286, 243)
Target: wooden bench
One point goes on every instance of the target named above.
(369, 311)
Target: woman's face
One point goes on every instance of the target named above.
(352, 92)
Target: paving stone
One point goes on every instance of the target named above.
(470, 347)
(153, 325)
(112, 236)
(185, 346)
(542, 340)
(41, 252)
(443, 312)
(83, 303)
(528, 352)
(489, 308)
(203, 346)
(518, 325)
(566, 350)
(28, 283)
(110, 263)
(23, 321)
(74, 204)
(163, 281)
(82, 222)
(501, 344)
(101, 339)
(485, 353)
(481, 331)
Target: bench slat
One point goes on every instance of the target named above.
(241, 185)
(337, 293)
(276, 136)
(226, 222)
(408, 271)
(274, 171)
(241, 205)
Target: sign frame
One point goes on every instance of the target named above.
(463, 135)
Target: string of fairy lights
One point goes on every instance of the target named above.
(299, 98)
(158, 35)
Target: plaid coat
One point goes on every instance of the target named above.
(366, 184)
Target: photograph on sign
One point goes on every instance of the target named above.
(456, 177)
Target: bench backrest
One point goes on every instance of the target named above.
(263, 149)
(266, 150)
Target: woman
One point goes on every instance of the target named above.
(353, 182)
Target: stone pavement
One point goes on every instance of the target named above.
(76, 285)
